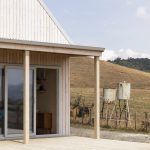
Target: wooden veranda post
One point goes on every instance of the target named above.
(97, 97)
(26, 96)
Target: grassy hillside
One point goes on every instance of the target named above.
(82, 75)
(82, 83)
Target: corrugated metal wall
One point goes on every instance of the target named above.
(48, 59)
(28, 20)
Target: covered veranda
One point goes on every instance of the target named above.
(28, 48)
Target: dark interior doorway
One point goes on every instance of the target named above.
(46, 112)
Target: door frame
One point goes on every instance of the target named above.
(6, 135)
(3, 94)
(34, 68)
(58, 69)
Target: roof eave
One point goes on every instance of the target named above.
(51, 47)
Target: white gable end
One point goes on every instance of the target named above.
(29, 20)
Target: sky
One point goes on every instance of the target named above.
(120, 26)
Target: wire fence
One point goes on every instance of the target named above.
(83, 114)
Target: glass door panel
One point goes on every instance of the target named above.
(15, 79)
(32, 104)
(15, 101)
(1, 101)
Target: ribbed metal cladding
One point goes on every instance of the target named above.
(28, 20)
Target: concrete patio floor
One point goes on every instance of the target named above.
(73, 143)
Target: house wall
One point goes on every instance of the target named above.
(29, 20)
(48, 59)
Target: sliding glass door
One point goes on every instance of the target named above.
(32, 101)
(15, 100)
(15, 81)
(43, 119)
(11, 101)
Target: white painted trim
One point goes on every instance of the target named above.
(67, 49)
(97, 98)
(58, 119)
(45, 67)
(58, 100)
(26, 99)
(6, 104)
(34, 99)
(31, 137)
(46, 136)
(6, 67)
(60, 103)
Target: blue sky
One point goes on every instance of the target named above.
(121, 26)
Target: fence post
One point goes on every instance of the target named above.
(82, 115)
(107, 118)
(116, 119)
(146, 121)
(126, 119)
(135, 117)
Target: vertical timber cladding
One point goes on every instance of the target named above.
(48, 59)
(62, 61)
(11, 56)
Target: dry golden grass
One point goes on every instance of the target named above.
(82, 75)
(82, 83)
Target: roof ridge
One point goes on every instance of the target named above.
(42, 3)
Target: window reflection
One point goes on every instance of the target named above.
(15, 100)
